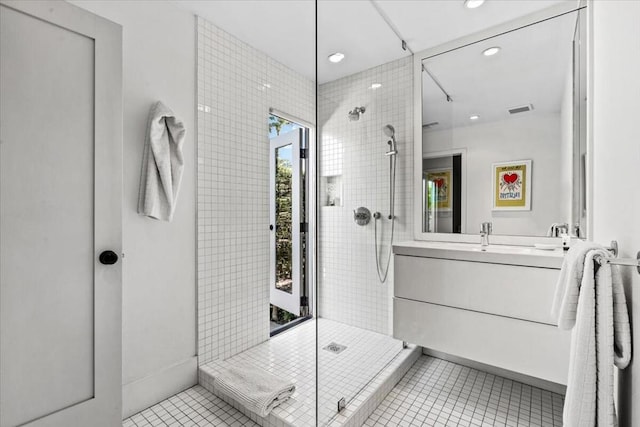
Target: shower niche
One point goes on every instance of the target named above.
(331, 191)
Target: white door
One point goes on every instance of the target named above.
(285, 277)
(60, 209)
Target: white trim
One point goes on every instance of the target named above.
(418, 57)
(145, 392)
(291, 118)
(590, 108)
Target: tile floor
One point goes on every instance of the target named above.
(292, 354)
(433, 393)
(439, 393)
(195, 407)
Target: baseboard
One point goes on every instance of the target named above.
(145, 392)
(515, 376)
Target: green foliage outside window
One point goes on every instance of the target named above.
(284, 232)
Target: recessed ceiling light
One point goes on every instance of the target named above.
(336, 57)
(472, 4)
(491, 51)
(474, 117)
(375, 86)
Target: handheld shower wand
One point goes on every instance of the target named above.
(390, 132)
(392, 154)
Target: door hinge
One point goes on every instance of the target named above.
(304, 301)
(304, 227)
(303, 153)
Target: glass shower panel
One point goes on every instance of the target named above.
(357, 153)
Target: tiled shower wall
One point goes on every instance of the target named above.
(349, 290)
(237, 85)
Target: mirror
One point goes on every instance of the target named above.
(504, 133)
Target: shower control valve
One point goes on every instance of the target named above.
(362, 215)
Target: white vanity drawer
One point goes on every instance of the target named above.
(506, 290)
(529, 348)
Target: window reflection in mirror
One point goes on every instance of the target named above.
(515, 97)
(442, 184)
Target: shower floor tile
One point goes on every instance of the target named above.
(436, 392)
(341, 373)
(195, 407)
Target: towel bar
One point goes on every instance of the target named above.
(632, 262)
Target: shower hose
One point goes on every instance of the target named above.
(383, 272)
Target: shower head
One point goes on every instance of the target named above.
(391, 133)
(354, 115)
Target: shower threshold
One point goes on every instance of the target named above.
(278, 329)
(363, 373)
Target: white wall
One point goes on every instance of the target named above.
(615, 41)
(348, 286)
(532, 136)
(236, 86)
(159, 267)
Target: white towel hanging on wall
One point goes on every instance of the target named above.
(162, 164)
(593, 306)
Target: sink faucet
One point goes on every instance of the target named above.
(485, 230)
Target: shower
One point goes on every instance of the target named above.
(354, 115)
(392, 154)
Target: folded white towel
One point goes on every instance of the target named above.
(593, 305)
(256, 389)
(162, 164)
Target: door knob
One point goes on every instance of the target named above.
(108, 257)
(271, 227)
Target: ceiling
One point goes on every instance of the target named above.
(532, 67)
(285, 29)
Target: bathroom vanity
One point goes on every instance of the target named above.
(489, 306)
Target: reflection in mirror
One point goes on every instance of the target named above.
(442, 184)
(502, 125)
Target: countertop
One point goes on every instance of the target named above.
(495, 254)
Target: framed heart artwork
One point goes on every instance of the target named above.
(439, 189)
(512, 186)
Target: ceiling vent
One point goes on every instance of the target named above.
(521, 109)
(430, 125)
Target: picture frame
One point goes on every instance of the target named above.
(511, 185)
(443, 185)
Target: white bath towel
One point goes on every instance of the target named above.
(593, 304)
(162, 164)
(256, 389)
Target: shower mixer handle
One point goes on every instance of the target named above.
(362, 215)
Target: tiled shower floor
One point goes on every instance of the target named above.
(292, 354)
(439, 393)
